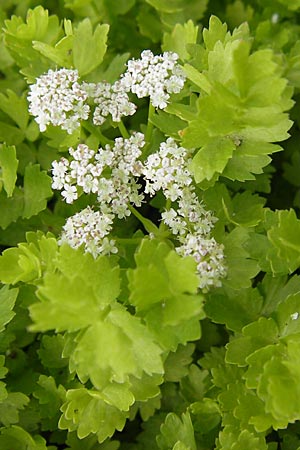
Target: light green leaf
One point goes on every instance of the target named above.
(8, 168)
(177, 434)
(51, 350)
(86, 411)
(257, 334)
(37, 189)
(10, 134)
(241, 267)
(198, 78)
(38, 26)
(211, 159)
(175, 279)
(167, 123)
(216, 32)
(181, 36)
(19, 264)
(15, 107)
(285, 238)
(16, 437)
(7, 302)
(89, 48)
(78, 294)
(61, 54)
(111, 350)
(68, 304)
(50, 398)
(235, 308)
(176, 364)
(9, 408)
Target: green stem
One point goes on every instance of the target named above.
(123, 130)
(148, 225)
(151, 112)
(96, 132)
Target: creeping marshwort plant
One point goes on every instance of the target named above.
(149, 203)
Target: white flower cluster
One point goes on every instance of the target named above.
(89, 228)
(58, 99)
(209, 257)
(154, 76)
(111, 99)
(109, 173)
(167, 170)
(192, 224)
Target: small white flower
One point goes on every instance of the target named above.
(69, 193)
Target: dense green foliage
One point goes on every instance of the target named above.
(125, 351)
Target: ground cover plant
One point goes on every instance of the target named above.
(150, 244)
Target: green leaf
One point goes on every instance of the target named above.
(176, 364)
(11, 207)
(198, 78)
(287, 315)
(216, 32)
(211, 158)
(241, 267)
(26, 262)
(173, 275)
(181, 36)
(177, 433)
(19, 37)
(51, 350)
(285, 238)
(7, 302)
(247, 209)
(37, 189)
(89, 48)
(15, 107)
(207, 415)
(133, 350)
(239, 104)
(18, 265)
(180, 331)
(10, 134)
(178, 11)
(149, 23)
(257, 334)
(87, 411)
(60, 54)
(50, 398)
(8, 168)
(167, 123)
(17, 437)
(66, 303)
(235, 308)
(241, 440)
(9, 408)
(78, 295)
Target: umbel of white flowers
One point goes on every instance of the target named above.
(112, 173)
(57, 97)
